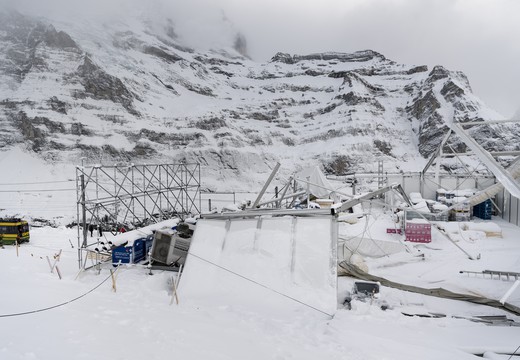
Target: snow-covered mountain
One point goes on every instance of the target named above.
(516, 116)
(139, 91)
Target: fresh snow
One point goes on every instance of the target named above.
(141, 320)
(82, 316)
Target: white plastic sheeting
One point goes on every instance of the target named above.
(319, 186)
(282, 264)
(368, 247)
(509, 182)
(492, 190)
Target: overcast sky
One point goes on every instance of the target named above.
(479, 37)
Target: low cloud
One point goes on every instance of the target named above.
(478, 37)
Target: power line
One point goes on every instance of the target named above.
(40, 182)
(35, 190)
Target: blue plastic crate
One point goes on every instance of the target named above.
(483, 210)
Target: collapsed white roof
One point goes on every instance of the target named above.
(505, 178)
(280, 264)
(319, 186)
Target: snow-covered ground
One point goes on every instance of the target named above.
(80, 317)
(83, 317)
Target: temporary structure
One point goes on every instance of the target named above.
(283, 264)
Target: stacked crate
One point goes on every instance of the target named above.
(461, 211)
(418, 230)
(483, 210)
(440, 195)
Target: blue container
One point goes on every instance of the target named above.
(122, 254)
(139, 250)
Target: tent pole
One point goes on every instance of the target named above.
(273, 173)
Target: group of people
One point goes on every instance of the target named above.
(91, 228)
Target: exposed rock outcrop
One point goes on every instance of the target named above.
(141, 94)
(103, 86)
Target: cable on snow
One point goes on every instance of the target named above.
(58, 305)
(264, 286)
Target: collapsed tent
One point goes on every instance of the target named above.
(280, 264)
(494, 189)
(315, 181)
(507, 179)
(352, 270)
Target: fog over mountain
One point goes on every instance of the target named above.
(477, 37)
(83, 81)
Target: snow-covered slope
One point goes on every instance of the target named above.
(137, 90)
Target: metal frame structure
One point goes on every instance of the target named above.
(353, 202)
(487, 158)
(500, 173)
(136, 195)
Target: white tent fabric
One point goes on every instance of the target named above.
(494, 189)
(507, 180)
(368, 248)
(281, 265)
(319, 186)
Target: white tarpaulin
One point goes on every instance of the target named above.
(319, 186)
(494, 189)
(505, 178)
(285, 263)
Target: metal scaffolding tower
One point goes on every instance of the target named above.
(133, 196)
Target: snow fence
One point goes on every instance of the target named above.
(274, 265)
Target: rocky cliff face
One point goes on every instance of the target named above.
(135, 93)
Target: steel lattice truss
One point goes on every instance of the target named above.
(136, 195)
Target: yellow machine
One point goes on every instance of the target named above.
(13, 230)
